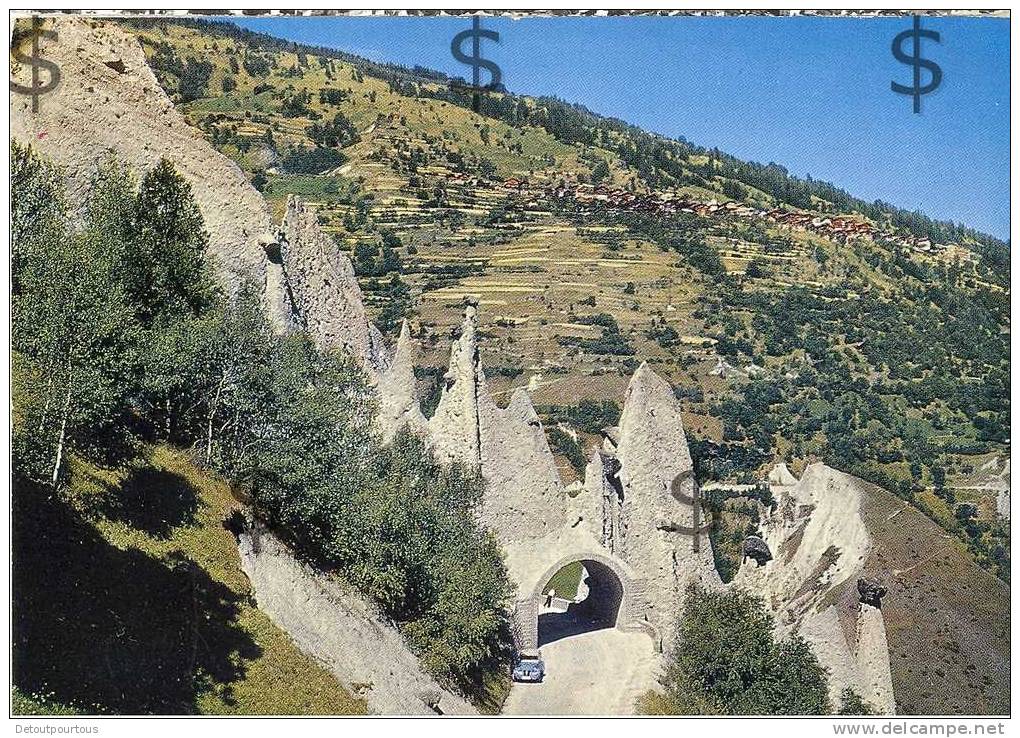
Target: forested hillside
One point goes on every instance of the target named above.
(796, 321)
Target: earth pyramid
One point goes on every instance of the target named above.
(636, 525)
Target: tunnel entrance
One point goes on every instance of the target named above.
(594, 604)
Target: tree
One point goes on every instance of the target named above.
(338, 133)
(600, 172)
(164, 263)
(728, 662)
(256, 65)
(430, 565)
(72, 323)
(37, 203)
(232, 379)
(194, 79)
(296, 427)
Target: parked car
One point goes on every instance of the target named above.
(529, 667)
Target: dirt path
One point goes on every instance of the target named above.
(601, 672)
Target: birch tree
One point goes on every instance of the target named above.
(72, 324)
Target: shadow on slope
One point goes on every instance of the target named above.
(154, 501)
(113, 630)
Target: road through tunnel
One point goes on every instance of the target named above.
(594, 606)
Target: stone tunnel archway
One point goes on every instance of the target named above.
(600, 598)
(610, 602)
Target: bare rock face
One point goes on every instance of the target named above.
(757, 550)
(604, 492)
(820, 544)
(398, 396)
(321, 291)
(524, 496)
(342, 631)
(666, 537)
(665, 527)
(872, 658)
(109, 102)
(454, 426)
(781, 476)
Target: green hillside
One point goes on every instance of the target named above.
(882, 350)
(131, 600)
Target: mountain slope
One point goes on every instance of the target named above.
(133, 570)
(943, 621)
(797, 322)
(947, 621)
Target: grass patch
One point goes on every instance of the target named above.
(36, 704)
(305, 185)
(129, 599)
(566, 580)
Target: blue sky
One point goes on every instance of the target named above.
(811, 94)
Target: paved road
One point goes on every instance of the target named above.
(601, 672)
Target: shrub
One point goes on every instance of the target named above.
(564, 444)
(301, 160)
(727, 662)
(851, 703)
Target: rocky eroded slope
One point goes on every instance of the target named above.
(937, 642)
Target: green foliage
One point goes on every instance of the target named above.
(304, 160)
(133, 568)
(256, 65)
(611, 342)
(443, 576)
(37, 704)
(337, 133)
(192, 76)
(296, 106)
(75, 386)
(396, 304)
(683, 233)
(566, 581)
(851, 703)
(727, 662)
(733, 190)
(36, 203)
(117, 334)
(391, 519)
(590, 416)
(331, 96)
(600, 172)
(664, 334)
(163, 260)
(194, 79)
(110, 321)
(563, 443)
